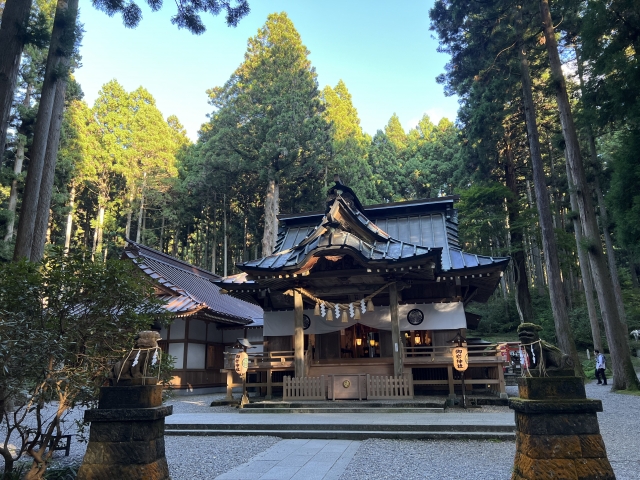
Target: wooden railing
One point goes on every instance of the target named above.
(386, 387)
(305, 388)
(280, 360)
(477, 354)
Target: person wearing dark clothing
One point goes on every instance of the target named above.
(601, 365)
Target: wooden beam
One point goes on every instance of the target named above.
(298, 334)
(395, 330)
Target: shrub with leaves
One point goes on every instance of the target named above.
(63, 323)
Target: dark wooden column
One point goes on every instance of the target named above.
(395, 330)
(298, 334)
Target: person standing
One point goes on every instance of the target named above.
(601, 365)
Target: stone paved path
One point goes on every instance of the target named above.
(297, 460)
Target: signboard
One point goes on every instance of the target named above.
(460, 358)
(241, 363)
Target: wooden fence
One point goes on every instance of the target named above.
(306, 388)
(386, 387)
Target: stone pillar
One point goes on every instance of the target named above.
(298, 334)
(557, 431)
(395, 331)
(126, 439)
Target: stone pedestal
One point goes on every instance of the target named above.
(557, 431)
(126, 440)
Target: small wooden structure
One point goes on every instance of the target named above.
(377, 291)
(205, 322)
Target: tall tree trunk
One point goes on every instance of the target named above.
(523, 297)
(558, 305)
(214, 248)
(174, 250)
(634, 273)
(271, 210)
(611, 256)
(535, 251)
(60, 50)
(587, 281)
(593, 152)
(68, 229)
(141, 212)
(224, 218)
(17, 170)
(99, 228)
(48, 174)
(624, 375)
(127, 229)
(13, 196)
(162, 235)
(13, 33)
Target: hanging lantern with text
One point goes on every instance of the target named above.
(460, 358)
(241, 363)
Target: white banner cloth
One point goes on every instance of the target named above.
(437, 316)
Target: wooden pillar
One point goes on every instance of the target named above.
(269, 386)
(298, 334)
(395, 331)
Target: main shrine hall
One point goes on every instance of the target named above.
(357, 295)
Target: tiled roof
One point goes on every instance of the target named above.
(188, 289)
(424, 230)
(333, 234)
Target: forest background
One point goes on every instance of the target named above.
(275, 138)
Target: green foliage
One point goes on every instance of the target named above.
(65, 321)
(624, 196)
(483, 219)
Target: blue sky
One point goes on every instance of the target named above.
(382, 50)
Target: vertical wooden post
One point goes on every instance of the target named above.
(502, 385)
(269, 386)
(452, 388)
(298, 334)
(229, 385)
(395, 331)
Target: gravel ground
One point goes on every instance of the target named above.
(206, 457)
(479, 460)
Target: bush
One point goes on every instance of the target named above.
(63, 323)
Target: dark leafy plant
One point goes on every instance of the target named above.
(63, 323)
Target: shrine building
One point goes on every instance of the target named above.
(354, 295)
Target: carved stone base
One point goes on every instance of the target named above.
(126, 439)
(557, 431)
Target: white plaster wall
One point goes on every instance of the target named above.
(177, 329)
(195, 355)
(177, 350)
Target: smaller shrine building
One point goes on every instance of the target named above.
(378, 291)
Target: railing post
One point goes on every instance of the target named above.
(269, 394)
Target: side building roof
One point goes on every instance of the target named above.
(188, 290)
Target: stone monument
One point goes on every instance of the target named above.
(557, 431)
(126, 439)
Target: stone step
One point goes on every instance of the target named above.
(264, 405)
(358, 409)
(353, 434)
(279, 427)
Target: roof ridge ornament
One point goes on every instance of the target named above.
(344, 192)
